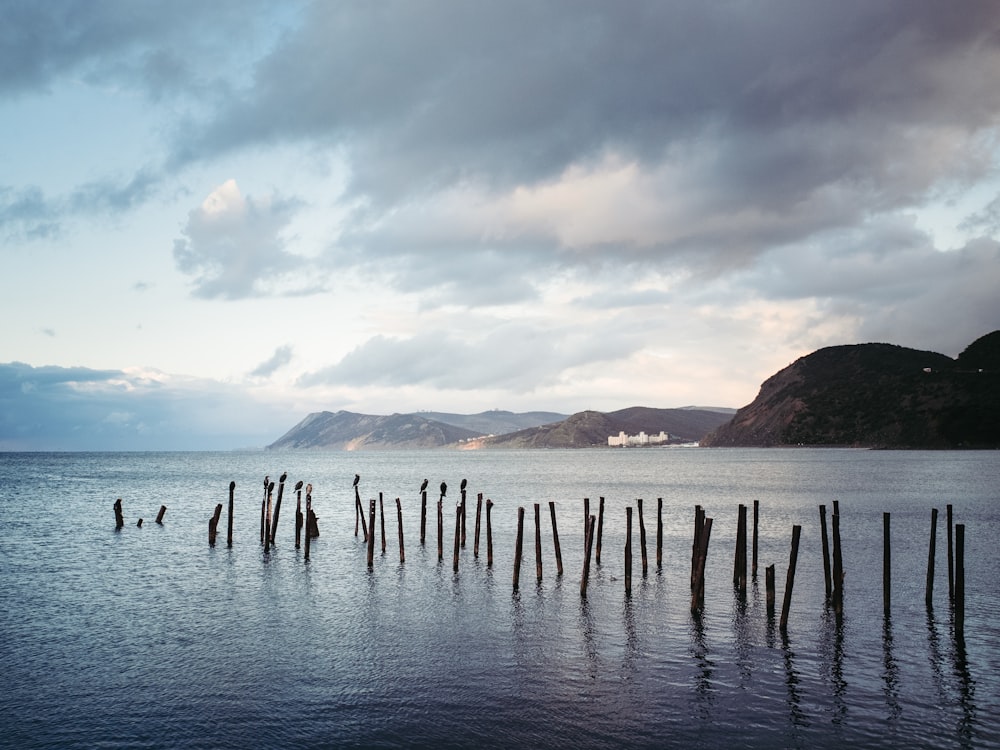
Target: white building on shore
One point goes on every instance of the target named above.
(624, 441)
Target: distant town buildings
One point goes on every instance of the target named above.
(624, 441)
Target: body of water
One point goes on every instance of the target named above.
(146, 637)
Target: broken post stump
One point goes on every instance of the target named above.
(119, 518)
(163, 508)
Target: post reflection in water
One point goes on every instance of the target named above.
(792, 682)
(631, 641)
(966, 694)
(890, 672)
(831, 650)
(704, 692)
(742, 640)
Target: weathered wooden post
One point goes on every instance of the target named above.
(139, 523)
(628, 552)
(359, 510)
(440, 524)
(462, 489)
(399, 513)
(886, 564)
(588, 545)
(229, 528)
(960, 580)
(756, 514)
(538, 541)
(119, 517)
(740, 560)
(213, 524)
(277, 505)
(518, 541)
(381, 516)
(769, 587)
(263, 508)
(951, 557)
(299, 521)
(458, 534)
(642, 537)
(699, 522)
(659, 533)
(586, 517)
(826, 552)
(489, 534)
(371, 536)
(479, 510)
(838, 567)
(163, 509)
(555, 538)
(600, 530)
(704, 536)
(309, 513)
(929, 589)
(793, 557)
(423, 512)
(267, 522)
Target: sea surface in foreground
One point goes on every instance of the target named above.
(148, 638)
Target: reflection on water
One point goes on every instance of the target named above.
(704, 666)
(792, 682)
(890, 672)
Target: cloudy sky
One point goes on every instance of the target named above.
(218, 217)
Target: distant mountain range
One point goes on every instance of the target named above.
(876, 395)
(345, 430)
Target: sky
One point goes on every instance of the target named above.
(216, 218)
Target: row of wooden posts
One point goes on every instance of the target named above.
(833, 570)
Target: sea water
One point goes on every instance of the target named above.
(147, 637)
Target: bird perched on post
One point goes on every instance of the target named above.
(284, 476)
(444, 489)
(298, 485)
(464, 483)
(357, 478)
(423, 486)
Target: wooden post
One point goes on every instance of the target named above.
(517, 545)
(458, 534)
(960, 580)
(381, 516)
(139, 523)
(740, 561)
(951, 557)
(929, 589)
(359, 510)
(659, 533)
(838, 567)
(263, 508)
(489, 534)
(440, 528)
(886, 564)
(309, 511)
(119, 517)
(463, 512)
(555, 538)
(628, 552)
(371, 536)
(586, 517)
(163, 509)
(642, 537)
(423, 513)
(793, 557)
(756, 514)
(267, 521)
(213, 525)
(826, 552)
(229, 528)
(299, 521)
(399, 513)
(538, 541)
(769, 587)
(704, 536)
(277, 506)
(588, 545)
(600, 530)
(699, 521)
(479, 510)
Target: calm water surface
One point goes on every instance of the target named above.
(148, 638)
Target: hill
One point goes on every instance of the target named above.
(876, 395)
(592, 428)
(346, 430)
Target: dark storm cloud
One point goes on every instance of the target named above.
(76, 408)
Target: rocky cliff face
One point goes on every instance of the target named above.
(876, 395)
